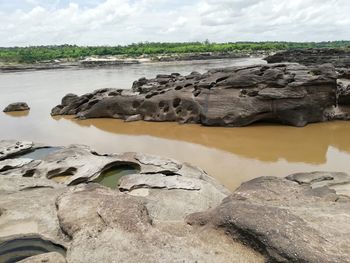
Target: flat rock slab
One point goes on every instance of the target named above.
(237, 96)
(284, 220)
(11, 148)
(17, 106)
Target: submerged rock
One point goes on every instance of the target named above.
(17, 106)
(236, 96)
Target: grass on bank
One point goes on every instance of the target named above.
(73, 52)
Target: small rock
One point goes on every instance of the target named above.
(17, 106)
(132, 118)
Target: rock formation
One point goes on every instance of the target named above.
(285, 220)
(340, 58)
(141, 220)
(165, 212)
(17, 106)
(236, 96)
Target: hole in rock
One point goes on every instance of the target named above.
(60, 176)
(178, 88)
(135, 104)
(176, 102)
(39, 154)
(17, 249)
(111, 175)
(166, 108)
(29, 173)
(179, 110)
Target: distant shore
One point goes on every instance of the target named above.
(114, 61)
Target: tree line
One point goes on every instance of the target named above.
(72, 52)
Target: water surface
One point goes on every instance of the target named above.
(232, 155)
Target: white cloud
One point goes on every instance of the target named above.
(125, 21)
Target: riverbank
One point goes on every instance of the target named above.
(117, 61)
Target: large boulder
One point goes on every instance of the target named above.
(17, 106)
(236, 96)
(298, 219)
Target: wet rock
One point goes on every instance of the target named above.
(284, 220)
(287, 93)
(17, 106)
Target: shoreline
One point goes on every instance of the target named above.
(115, 61)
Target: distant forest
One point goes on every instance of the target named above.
(73, 52)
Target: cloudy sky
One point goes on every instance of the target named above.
(111, 22)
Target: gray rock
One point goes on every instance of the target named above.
(11, 148)
(52, 257)
(343, 94)
(134, 181)
(17, 106)
(340, 58)
(126, 227)
(144, 223)
(285, 221)
(132, 118)
(340, 182)
(235, 96)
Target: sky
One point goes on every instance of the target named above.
(114, 22)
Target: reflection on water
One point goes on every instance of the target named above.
(18, 114)
(110, 177)
(40, 153)
(263, 142)
(232, 155)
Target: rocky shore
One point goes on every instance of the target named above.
(165, 211)
(236, 96)
(340, 58)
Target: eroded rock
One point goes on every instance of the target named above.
(156, 214)
(11, 148)
(340, 58)
(236, 96)
(285, 221)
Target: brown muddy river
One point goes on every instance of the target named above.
(232, 155)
